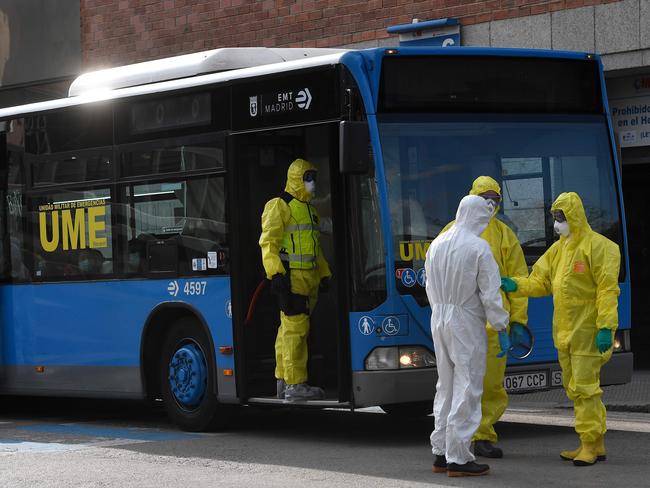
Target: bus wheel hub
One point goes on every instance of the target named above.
(188, 375)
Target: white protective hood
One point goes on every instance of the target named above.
(461, 270)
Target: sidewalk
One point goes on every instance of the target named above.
(632, 397)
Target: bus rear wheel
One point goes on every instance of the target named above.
(187, 379)
(412, 409)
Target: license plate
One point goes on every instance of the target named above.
(526, 381)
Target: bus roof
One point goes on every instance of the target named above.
(216, 60)
(180, 72)
(227, 64)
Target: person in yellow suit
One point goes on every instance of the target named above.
(294, 262)
(510, 258)
(581, 271)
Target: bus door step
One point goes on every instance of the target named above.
(308, 403)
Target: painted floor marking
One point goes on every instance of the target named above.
(15, 446)
(101, 436)
(137, 434)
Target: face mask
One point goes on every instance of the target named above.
(84, 265)
(561, 228)
(310, 187)
(492, 205)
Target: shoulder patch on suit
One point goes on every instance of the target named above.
(579, 267)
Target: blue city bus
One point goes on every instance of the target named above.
(131, 217)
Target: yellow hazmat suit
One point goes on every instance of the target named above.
(283, 222)
(581, 272)
(510, 258)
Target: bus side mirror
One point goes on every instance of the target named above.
(355, 154)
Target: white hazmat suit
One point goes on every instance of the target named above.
(463, 290)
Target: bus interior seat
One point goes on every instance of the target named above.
(162, 256)
(107, 267)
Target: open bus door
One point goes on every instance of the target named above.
(259, 163)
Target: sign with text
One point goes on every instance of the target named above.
(72, 225)
(286, 100)
(631, 119)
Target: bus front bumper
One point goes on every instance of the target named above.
(371, 388)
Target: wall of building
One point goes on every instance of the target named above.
(619, 31)
(38, 53)
(116, 32)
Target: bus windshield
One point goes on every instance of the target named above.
(431, 162)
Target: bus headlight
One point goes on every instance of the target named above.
(416, 357)
(622, 340)
(383, 358)
(400, 357)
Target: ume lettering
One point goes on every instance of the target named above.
(72, 232)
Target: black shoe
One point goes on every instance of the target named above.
(468, 469)
(486, 449)
(440, 464)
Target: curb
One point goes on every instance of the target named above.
(622, 407)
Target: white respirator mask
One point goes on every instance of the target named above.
(492, 205)
(562, 228)
(310, 187)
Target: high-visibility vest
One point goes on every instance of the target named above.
(301, 239)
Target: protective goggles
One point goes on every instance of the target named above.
(309, 176)
(491, 195)
(558, 215)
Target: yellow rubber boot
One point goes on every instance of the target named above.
(570, 455)
(601, 453)
(588, 454)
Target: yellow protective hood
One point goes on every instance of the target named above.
(571, 204)
(483, 184)
(295, 184)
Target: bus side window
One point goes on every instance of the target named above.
(204, 237)
(137, 252)
(188, 215)
(72, 235)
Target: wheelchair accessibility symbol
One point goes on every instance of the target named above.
(390, 325)
(408, 277)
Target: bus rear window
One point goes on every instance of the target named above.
(489, 84)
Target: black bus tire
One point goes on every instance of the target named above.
(204, 412)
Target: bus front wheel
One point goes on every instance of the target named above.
(187, 379)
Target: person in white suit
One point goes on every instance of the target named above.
(462, 284)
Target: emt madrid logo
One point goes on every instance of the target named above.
(280, 102)
(303, 99)
(173, 288)
(252, 106)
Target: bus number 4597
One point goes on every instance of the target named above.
(195, 287)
